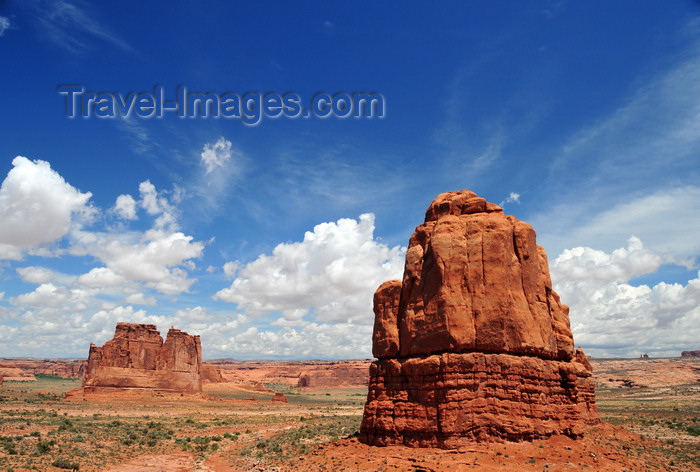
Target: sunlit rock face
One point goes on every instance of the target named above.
(473, 343)
(138, 358)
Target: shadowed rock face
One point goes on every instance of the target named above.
(473, 343)
(137, 357)
(211, 374)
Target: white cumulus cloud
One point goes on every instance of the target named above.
(160, 258)
(36, 275)
(139, 299)
(42, 215)
(231, 269)
(101, 277)
(330, 275)
(37, 207)
(149, 198)
(313, 340)
(156, 259)
(612, 317)
(53, 296)
(587, 264)
(125, 207)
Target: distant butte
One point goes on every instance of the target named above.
(473, 343)
(10, 371)
(137, 358)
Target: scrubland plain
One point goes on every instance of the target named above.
(650, 409)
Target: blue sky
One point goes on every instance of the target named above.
(581, 118)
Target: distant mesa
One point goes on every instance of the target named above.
(11, 372)
(137, 358)
(473, 343)
(66, 368)
(334, 375)
(690, 354)
(302, 374)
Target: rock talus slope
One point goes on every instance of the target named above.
(473, 343)
(137, 357)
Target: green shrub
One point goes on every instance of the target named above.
(65, 464)
(45, 446)
(66, 425)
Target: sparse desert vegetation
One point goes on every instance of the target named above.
(227, 431)
(39, 430)
(658, 399)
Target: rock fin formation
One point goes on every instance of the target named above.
(137, 357)
(473, 344)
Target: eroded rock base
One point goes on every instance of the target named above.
(447, 400)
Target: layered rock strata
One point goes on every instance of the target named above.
(66, 368)
(312, 374)
(10, 371)
(137, 357)
(473, 343)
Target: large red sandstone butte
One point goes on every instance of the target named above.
(138, 358)
(473, 344)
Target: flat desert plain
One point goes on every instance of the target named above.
(650, 410)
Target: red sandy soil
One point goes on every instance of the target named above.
(602, 449)
(175, 462)
(141, 395)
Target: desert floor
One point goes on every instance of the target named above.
(650, 408)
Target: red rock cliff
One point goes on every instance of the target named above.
(9, 370)
(473, 343)
(66, 368)
(137, 357)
